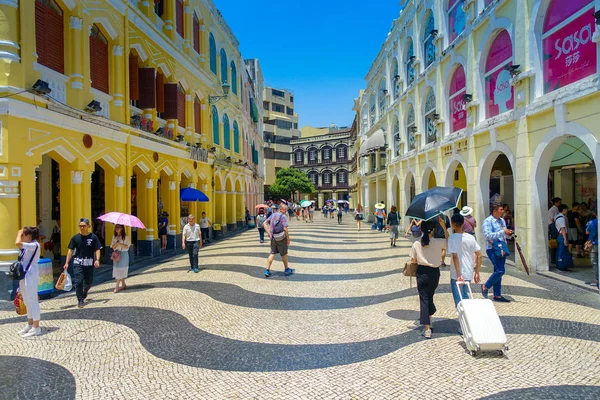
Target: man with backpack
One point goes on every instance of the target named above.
(276, 227)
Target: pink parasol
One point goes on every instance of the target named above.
(118, 218)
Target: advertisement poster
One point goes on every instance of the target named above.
(458, 115)
(499, 93)
(569, 53)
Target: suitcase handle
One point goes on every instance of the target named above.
(460, 291)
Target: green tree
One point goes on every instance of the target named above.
(289, 181)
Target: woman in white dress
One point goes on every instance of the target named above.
(28, 286)
(120, 243)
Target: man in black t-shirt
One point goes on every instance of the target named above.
(84, 248)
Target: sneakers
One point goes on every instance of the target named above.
(25, 330)
(288, 271)
(262, 241)
(80, 304)
(33, 332)
(195, 270)
(427, 334)
(484, 292)
(267, 273)
(501, 299)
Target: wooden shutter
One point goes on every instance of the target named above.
(181, 106)
(147, 88)
(197, 115)
(160, 93)
(196, 34)
(134, 82)
(179, 17)
(170, 100)
(99, 62)
(40, 32)
(49, 35)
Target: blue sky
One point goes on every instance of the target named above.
(319, 49)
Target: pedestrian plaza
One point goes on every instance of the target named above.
(342, 327)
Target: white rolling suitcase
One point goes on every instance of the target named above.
(481, 326)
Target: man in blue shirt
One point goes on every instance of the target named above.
(591, 229)
(495, 230)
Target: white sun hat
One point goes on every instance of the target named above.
(466, 211)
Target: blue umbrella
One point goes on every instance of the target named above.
(191, 194)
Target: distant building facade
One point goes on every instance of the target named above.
(280, 128)
(326, 159)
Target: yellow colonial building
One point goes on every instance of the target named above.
(498, 97)
(116, 105)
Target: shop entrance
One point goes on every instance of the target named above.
(100, 229)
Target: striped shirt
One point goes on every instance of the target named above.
(493, 230)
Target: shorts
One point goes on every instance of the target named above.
(573, 236)
(279, 247)
(357, 217)
(394, 232)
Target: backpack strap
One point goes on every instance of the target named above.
(32, 257)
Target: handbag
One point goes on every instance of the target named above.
(115, 256)
(410, 269)
(16, 271)
(552, 243)
(20, 307)
(498, 247)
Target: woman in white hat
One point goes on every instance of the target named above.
(470, 223)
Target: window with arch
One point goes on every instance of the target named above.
(179, 17)
(457, 20)
(372, 110)
(215, 125)
(299, 157)
(224, 73)
(342, 153)
(458, 88)
(226, 132)
(499, 93)
(411, 128)
(382, 93)
(327, 178)
(99, 60)
(49, 35)
(396, 134)
(312, 156)
(326, 154)
(314, 178)
(396, 79)
(236, 137)
(234, 86)
(212, 48)
(430, 124)
(428, 46)
(569, 53)
(410, 62)
(342, 177)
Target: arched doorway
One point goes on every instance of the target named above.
(456, 176)
(429, 180)
(410, 188)
(566, 168)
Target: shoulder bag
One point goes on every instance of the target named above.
(16, 271)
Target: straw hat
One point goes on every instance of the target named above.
(466, 211)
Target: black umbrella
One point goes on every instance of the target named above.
(433, 202)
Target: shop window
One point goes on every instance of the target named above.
(226, 133)
(430, 123)
(499, 92)
(49, 35)
(457, 19)
(569, 53)
(179, 16)
(428, 46)
(99, 60)
(224, 73)
(458, 88)
(215, 125)
(411, 128)
(236, 137)
(410, 61)
(196, 34)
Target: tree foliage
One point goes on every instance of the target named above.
(290, 180)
